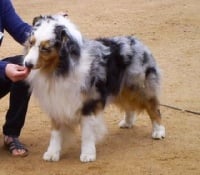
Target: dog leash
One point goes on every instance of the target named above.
(179, 109)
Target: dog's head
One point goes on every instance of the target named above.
(54, 44)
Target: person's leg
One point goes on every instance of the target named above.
(15, 117)
(4, 87)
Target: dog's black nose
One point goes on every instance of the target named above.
(29, 65)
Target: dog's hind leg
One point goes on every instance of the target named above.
(93, 130)
(54, 148)
(158, 131)
(128, 120)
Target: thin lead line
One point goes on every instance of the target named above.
(179, 109)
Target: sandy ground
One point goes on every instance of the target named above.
(171, 29)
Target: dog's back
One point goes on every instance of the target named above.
(122, 70)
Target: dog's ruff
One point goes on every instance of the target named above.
(75, 78)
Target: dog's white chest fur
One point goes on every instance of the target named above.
(56, 96)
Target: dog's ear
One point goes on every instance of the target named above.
(36, 19)
(61, 35)
(68, 44)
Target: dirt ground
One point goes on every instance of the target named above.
(171, 29)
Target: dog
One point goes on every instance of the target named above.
(75, 78)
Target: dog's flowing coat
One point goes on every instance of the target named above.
(75, 78)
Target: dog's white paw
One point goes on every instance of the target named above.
(158, 131)
(124, 124)
(51, 156)
(128, 120)
(87, 157)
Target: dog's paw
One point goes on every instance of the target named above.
(87, 157)
(124, 124)
(158, 132)
(128, 120)
(51, 156)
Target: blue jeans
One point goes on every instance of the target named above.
(19, 98)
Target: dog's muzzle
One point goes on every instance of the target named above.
(28, 65)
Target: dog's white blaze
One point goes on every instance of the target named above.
(32, 56)
(45, 32)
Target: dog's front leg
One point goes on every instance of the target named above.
(88, 149)
(54, 149)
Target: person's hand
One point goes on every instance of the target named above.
(15, 72)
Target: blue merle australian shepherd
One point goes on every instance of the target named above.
(74, 79)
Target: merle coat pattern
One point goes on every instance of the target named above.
(75, 78)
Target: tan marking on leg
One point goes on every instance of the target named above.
(154, 111)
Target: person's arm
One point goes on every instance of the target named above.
(13, 24)
(2, 69)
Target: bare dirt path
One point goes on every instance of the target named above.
(172, 31)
